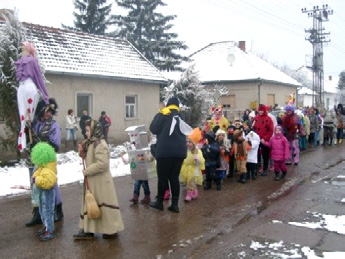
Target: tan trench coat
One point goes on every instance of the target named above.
(102, 187)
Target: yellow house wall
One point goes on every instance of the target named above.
(108, 95)
(245, 93)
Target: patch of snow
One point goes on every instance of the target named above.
(331, 223)
(69, 171)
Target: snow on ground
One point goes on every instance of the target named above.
(69, 171)
(331, 223)
(282, 250)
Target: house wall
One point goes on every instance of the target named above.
(109, 96)
(245, 93)
(333, 100)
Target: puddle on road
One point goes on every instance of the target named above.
(339, 180)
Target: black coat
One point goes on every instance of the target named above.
(83, 118)
(173, 146)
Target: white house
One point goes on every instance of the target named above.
(250, 80)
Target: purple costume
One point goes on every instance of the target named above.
(31, 84)
(52, 137)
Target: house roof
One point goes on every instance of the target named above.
(70, 52)
(225, 61)
(306, 91)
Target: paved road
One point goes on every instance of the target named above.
(220, 224)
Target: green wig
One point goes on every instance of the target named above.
(42, 154)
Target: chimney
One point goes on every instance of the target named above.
(330, 78)
(242, 45)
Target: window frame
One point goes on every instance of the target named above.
(90, 96)
(135, 106)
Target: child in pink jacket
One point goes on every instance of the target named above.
(279, 147)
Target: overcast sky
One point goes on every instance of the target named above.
(272, 28)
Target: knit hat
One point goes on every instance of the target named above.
(252, 114)
(262, 107)
(210, 136)
(278, 127)
(173, 101)
(220, 131)
(289, 108)
(196, 135)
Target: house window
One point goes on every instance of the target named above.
(271, 100)
(84, 103)
(131, 106)
(228, 101)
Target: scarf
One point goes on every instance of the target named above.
(95, 135)
(167, 110)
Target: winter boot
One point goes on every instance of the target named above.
(254, 174)
(46, 236)
(248, 175)
(167, 195)
(146, 199)
(207, 185)
(230, 174)
(189, 196)
(36, 218)
(219, 185)
(340, 141)
(58, 214)
(283, 175)
(243, 178)
(135, 198)
(195, 194)
(158, 204)
(264, 172)
(174, 205)
(277, 176)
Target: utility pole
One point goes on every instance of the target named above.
(317, 37)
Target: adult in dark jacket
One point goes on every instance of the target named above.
(171, 150)
(82, 121)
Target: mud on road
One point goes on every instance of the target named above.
(217, 225)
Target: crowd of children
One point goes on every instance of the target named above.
(255, 144)
(260, 142)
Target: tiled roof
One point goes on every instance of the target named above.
(225, 61)
(70, 52)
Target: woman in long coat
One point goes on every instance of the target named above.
(101, 185)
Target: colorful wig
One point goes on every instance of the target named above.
(42, 154)
(30, 47)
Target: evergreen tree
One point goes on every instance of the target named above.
(341, 82)
(91, 16)
(12, 34)
(193, 96)
(148, 31)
